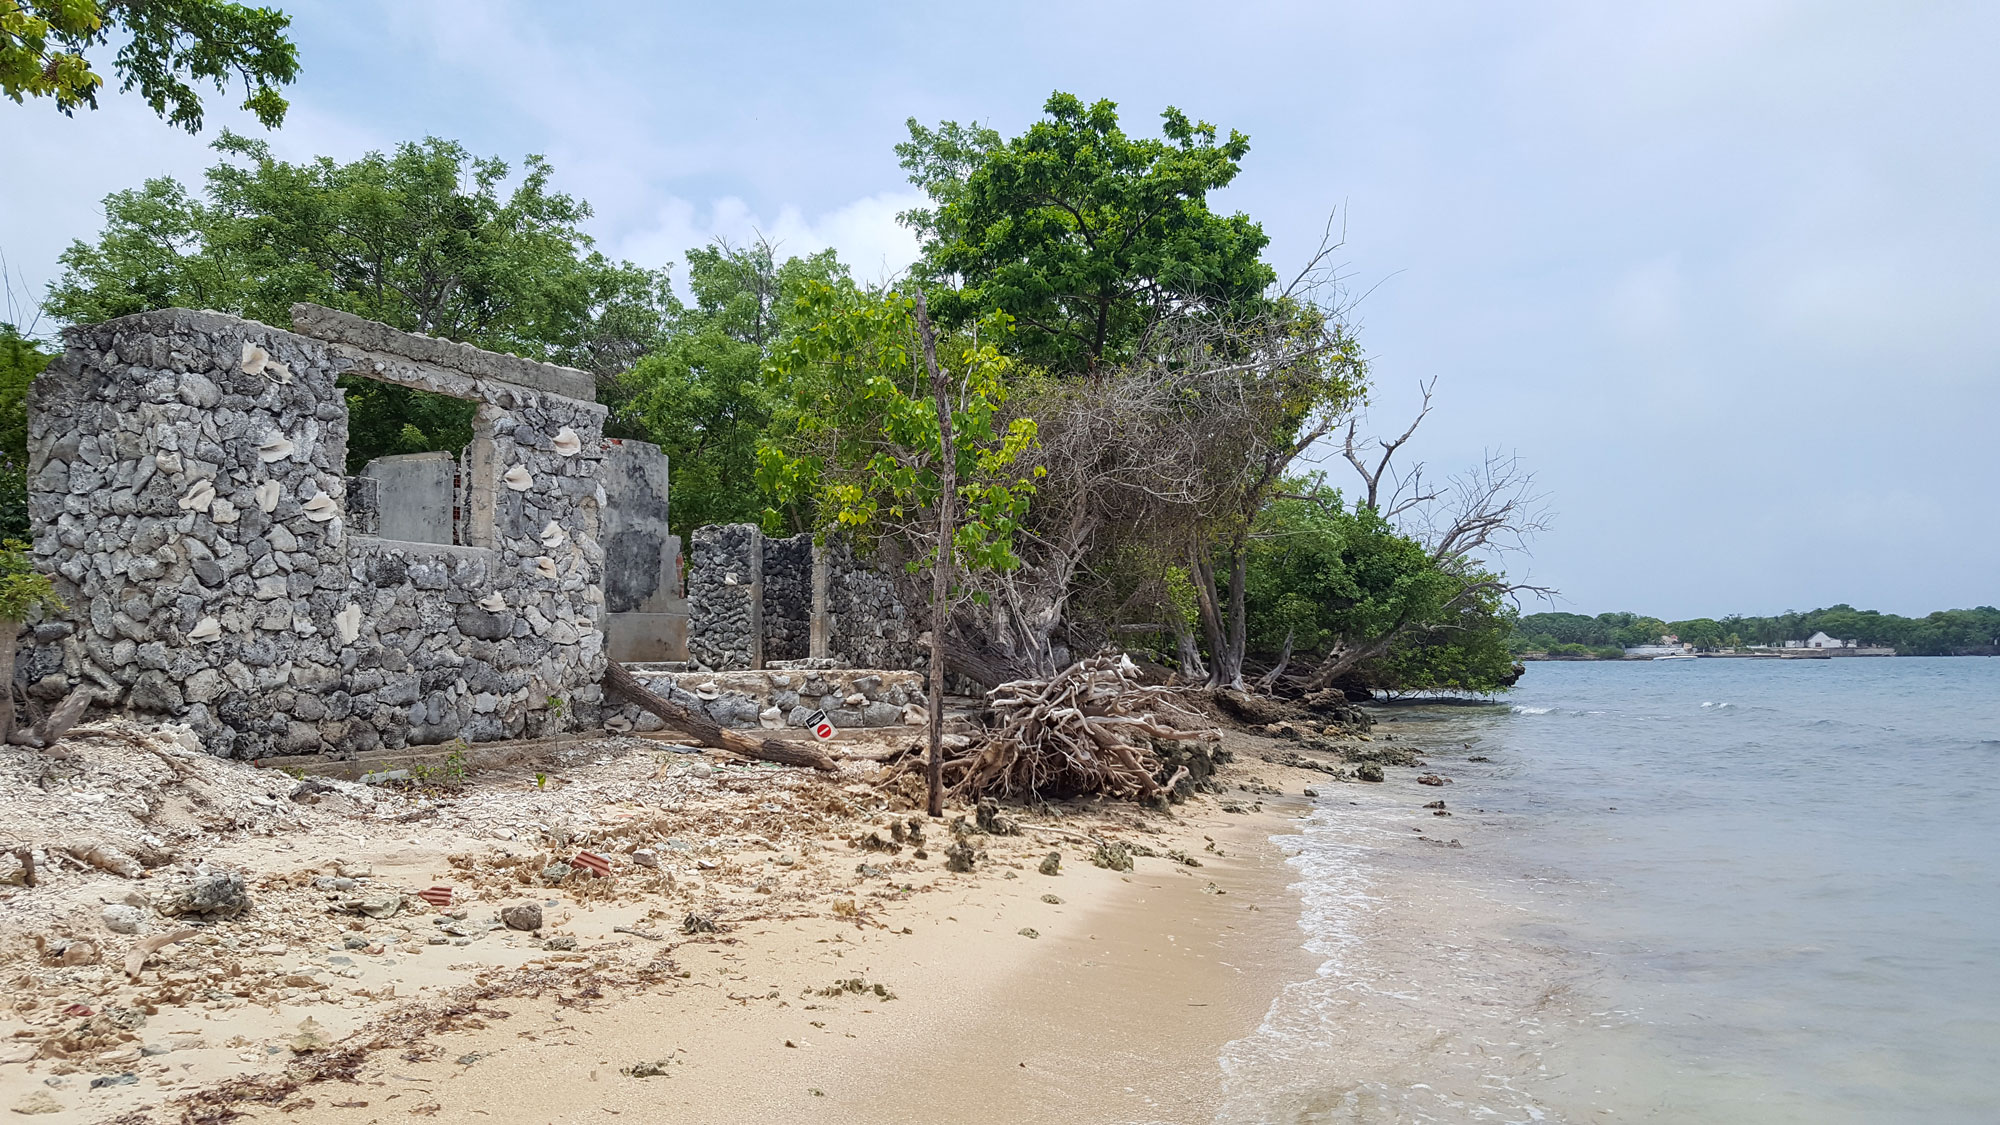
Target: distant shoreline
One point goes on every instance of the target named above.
(1799, 654)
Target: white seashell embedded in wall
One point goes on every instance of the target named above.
(267, 496)
(277, 447)
(207, 629)
(519, 479)
(545, 566)
(348, 622)
(199, 496)
(320, 508)
(257, 361)
(567, 443)
(554, 536)
(493, 603)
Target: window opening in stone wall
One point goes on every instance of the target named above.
(423, 495)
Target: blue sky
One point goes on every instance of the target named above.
(1723, 273)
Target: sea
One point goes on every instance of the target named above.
(1751, 891)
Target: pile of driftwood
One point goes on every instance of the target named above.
(1088, 730)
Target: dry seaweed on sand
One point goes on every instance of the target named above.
(1089, 729)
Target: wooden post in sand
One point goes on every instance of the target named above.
(941, 569)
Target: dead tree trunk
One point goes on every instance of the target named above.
(941, 569)
(1270, 679)
(707, 732)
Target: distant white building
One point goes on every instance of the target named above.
(1821, 640)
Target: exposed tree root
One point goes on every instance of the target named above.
(1089, 729)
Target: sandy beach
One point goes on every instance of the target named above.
(842, 982)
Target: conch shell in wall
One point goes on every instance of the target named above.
(554, 536)
(519, 479)
(320, 508)
(277, 447)
(257, 361)
(199, 497)
(493, 603)
(567, 443)
(545, 566)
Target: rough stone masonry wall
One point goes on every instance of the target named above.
(186, 490)
(788, 597)
(867, 624)
(723, 579)
(728, 597)
(782, 697)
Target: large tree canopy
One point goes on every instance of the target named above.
(1084, 235)
(170, 45)
(700, 395)
(421, 239)
(1325, 575)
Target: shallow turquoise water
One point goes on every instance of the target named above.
(1750, 891)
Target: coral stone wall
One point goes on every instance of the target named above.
(867, 624)
(776, 698)
(724, 564)
(187, 490)
(750, 603)
(788, 598)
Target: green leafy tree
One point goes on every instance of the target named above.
(20, 361)
(422, 239)
(1639, 631)
(169, 47)
(1701, 632)
(1084, 235)
(1470, 655)
(1325, 576)
(700, 395)
(860, 442)
(899, 433)
(24, 591)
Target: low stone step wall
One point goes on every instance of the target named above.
(851, 697)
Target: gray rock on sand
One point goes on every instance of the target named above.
(522, 916)
(209, 895)
(122, 919)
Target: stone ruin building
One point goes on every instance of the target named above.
(189, 497)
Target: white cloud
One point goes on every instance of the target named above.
(864, 232)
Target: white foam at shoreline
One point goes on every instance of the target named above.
(1361, 1040)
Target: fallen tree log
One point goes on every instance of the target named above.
(706, 732)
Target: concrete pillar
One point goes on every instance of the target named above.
(818, 629)
(482, 481)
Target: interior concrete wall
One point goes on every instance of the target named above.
(413, 496)
(646, 612)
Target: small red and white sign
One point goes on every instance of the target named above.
(438, 896)
(596, 865)
(821, 728)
